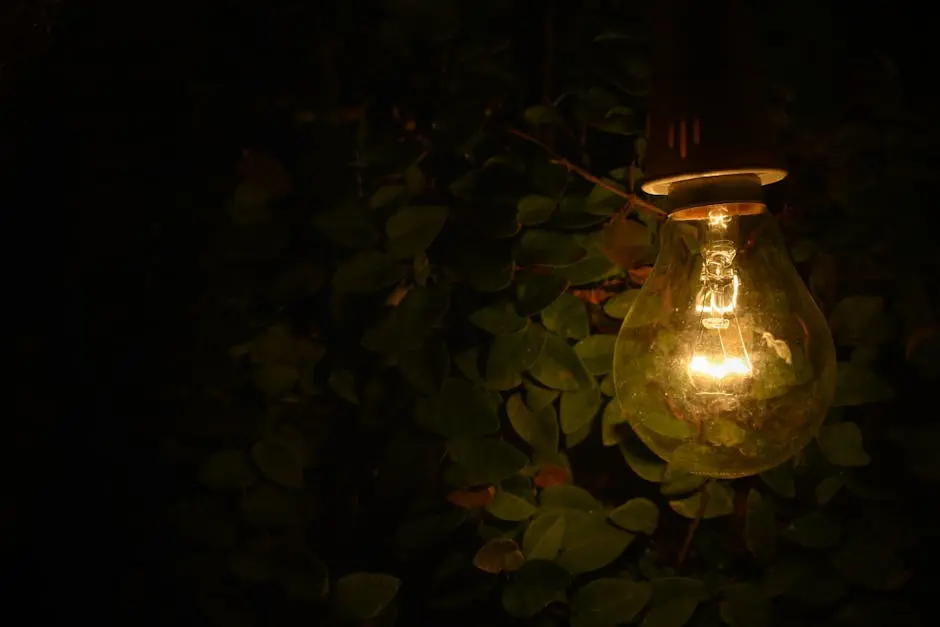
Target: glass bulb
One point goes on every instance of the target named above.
(724, 363)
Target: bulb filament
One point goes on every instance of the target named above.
(719, 353)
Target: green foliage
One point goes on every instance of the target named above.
(422, 311)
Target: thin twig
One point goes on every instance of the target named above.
(632, 199)
(702, 506)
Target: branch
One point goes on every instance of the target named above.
(702, 506)
(632, 199)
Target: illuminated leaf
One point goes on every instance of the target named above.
(542, 539)
(498, 318)
(558, 366)
(720, 502)
(470, 498)
(568, 317)
(485, 460)
(508, 506)
(639, 515)
(578, 409)
(361, 596)
(597, 353)
(539, 429)
(498, 555)
(535, 209)
(569, 497)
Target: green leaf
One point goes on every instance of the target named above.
(604, 202)
(227, 470)
(641, 460)
(745, 606)
(607, 386)
(559, 367)
(720, 501)
(842, 445)
(760, 527)
(608, 602)
(828, 488)
(589, 542)
(626, 242)
(533, 587)
(780, 479)
(367, 271)
(511, 354)
(612, 421)
(856, 384)
(568, 317)
(639, 515)
(813, 530)
(278, 463)
(484, 461)
(543, 114)
(578, 409)
(461, 409)
(597, 353)
(426, 367)
(498, 318)
(535, 291)
(411, 230)
(348, 226)
(673, 602)
(535, 209)
(537, 397)
(270, 506)
(569, 497)
(386, 195)
(362, 596)
(486, 269)
(539, 429)
(508, 506)
(619, 306)
(543, 536)
(548, 248)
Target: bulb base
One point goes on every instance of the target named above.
(738, 193)
(708, 113)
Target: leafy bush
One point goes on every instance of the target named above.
(401, 402)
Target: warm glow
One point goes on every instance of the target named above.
(708, 301)
(701, 365)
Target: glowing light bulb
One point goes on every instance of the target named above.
(724, 362)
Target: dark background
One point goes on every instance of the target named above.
(120, 120)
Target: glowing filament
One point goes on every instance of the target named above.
(708, 300)
(729, 366)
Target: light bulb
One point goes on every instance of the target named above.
(724, 363)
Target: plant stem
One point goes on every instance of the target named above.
(702, 506)
(633, 200)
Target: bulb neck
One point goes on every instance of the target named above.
(741, 193)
